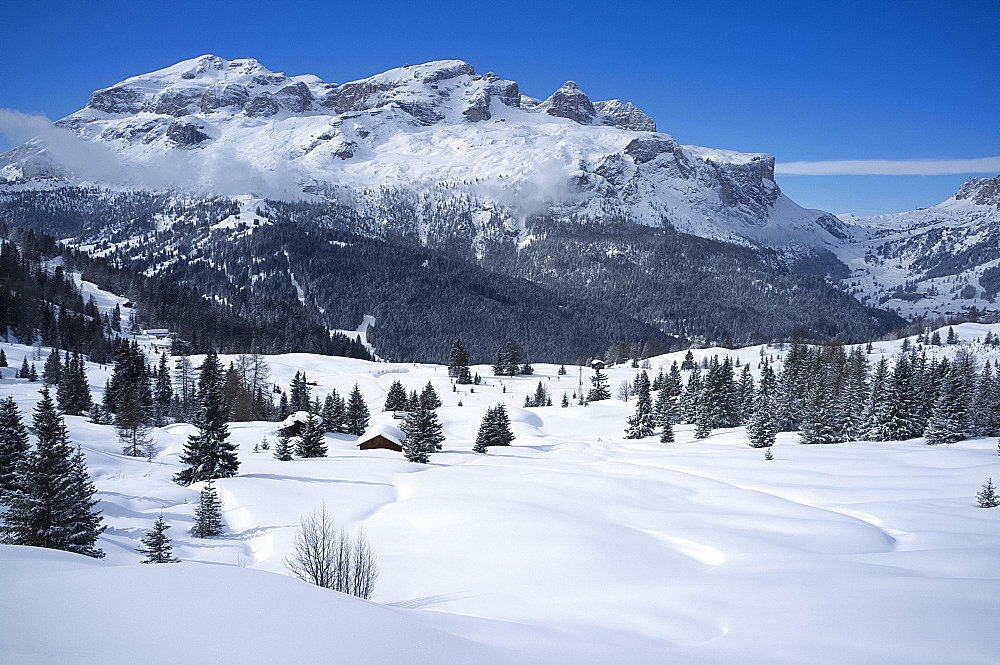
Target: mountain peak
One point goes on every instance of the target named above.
(981, 191)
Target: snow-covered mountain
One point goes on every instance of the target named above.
(436, 131)
(938, 260)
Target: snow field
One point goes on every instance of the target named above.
(572, 545)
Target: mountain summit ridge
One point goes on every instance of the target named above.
(433, 130)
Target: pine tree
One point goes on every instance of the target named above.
(395, 400)
(458, 365)
(164, 390)
(599, 385)
(945, 425)
(429, 397)
(209, 454)
(494, 429)
(688, 362)
(52, 372)
(562, 370)
(157, 545)
(514, 358)
(14, 445)
(52, 504)
(500, 363)
(3, 358)
(25, 370)
(423, 434)
(311, 441)
(642, 423)
(357, 416)
(208, 520)
(283, 449)
(284, 408)
(903, 421)
(565, 401)
(760, 429)
(689, 398)
(988, 498)
(877, 413)
(768, 455)
(952, 337)
(703, 418)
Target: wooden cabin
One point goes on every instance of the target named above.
(382, 436)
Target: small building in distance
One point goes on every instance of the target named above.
(382, 436)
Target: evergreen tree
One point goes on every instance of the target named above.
(494, 429)
(157, 547)
(642, 423)
(14, 445)
(395, 400)
(945, 425)
(52, 372)
(988, 498)
(703, 418)
(689, 399)
(936, 339)
(688, 362)
(429, 397)
(208, 520)
(328, 414)
(458, 363)
(283, 449)
(52, 504)
(745, 395)
(879, 404)
(311, 441)
(164, 390)
(565, 401)
(514, 357)
(284, 408)
(25, 370)
(760, 429)
(32, 373)
(902, 422)
(209, 454)
(952, 337)
(3, 358)
(500, 363)
(357, 415)
(768, 455)
(599, 385)
(562, 370)
(423, 434)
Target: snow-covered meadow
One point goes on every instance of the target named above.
(574, 545)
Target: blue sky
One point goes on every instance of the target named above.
(805, 81)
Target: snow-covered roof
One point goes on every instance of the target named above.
(394, 434)
(298, 417)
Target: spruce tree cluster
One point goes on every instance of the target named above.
(494, 429)
(209, 454)
(51, 503)
(643, 422)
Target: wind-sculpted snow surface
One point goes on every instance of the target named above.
(571, 545)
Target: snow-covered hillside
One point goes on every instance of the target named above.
(436, 132)
(928, 261)
(572, 545)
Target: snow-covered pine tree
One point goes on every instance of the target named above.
(283, 449)
(395, 399)
(879, 404)
(599, 386)
(500, 363)
(52, 504)
(328, 414)
(209, 454)
(642, 423)
(984, 412)
(703, 418)
(988, 498)
(760, 430)
(208, 520)
(423, 434)
(429, 397)
(745, 394)
(692, 393)
(565, 401)
(458, 363)
(903, 418)
(3, 358)
(52, 371)
(156, 544)
(311, 441)
(14, 444)
(357, 415)
(768, 455)
(688, 362)
(946, 421)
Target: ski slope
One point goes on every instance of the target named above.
(573, 545)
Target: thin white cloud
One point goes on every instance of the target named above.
(891, 167)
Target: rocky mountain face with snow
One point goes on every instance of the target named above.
(934, 261)
(617, 223)
(435, 132)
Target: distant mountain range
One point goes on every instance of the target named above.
(585, 200)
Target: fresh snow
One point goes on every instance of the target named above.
(571, 545)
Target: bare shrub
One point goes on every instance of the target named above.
(328, 557)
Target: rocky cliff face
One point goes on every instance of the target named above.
(435, 131)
